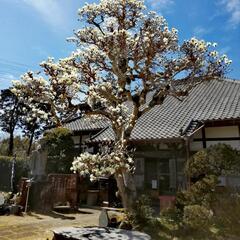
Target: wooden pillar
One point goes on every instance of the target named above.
(187, 142)
(204, 142)
(239, 135)
(80, 143)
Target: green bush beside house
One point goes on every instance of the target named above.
(204, 210)
(60, 148)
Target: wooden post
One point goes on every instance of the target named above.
(26, 204)
(187, 158)
(204, 142)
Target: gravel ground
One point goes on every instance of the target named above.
(34, 226)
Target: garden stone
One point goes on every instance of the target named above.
(38, 162)
(97, 233)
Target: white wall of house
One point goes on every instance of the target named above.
(217, 132)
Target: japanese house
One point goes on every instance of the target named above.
(168, 134)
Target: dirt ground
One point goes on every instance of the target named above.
(35, 226)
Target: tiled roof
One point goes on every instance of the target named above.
(191, 128)
(214, 100)
(105, 135)
(86, 124)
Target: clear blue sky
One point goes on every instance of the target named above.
(32, 30)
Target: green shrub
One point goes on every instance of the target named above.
(202, 204)
(197, 216)
(226, 212)
(142, 217)
(60, 148)
(201, 192)
(142, 212)
(203, 169)
(7, 159)
(217, 160)
(171, 215)
(21, 170)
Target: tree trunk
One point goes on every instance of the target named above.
(11, 144)
(30, 143)
(125, 180)
(127, 189)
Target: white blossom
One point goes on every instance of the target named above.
(120, 58)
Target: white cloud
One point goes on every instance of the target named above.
(200, 31)
(160, 4)
(51, 11)
(233, 8)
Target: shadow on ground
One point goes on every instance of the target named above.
(61, 212)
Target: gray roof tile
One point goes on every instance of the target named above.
(86, 124)
(107, 134)
(214, 100)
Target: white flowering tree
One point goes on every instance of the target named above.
(49, 99)
(123, 54)
(46, 102)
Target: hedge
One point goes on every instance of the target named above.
(21, 170)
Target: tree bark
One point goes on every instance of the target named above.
(30, 143)
(11, 144)
(127, 189)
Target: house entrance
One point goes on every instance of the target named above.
(161, 175)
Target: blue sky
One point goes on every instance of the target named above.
(32, 30)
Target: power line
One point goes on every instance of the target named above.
(11, 65)
(12, 70)
(16, 63)
(7, 68)
(4, 73)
